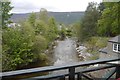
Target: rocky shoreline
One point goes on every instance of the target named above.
(81, 51)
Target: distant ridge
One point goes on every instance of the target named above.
(60, 17)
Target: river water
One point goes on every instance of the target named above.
(65, 52)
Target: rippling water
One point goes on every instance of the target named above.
(65, 52)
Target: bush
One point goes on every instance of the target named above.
(94, 44)
(43, 57)
(16, 49)
(40, 44)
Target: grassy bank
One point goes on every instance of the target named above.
(94, 44)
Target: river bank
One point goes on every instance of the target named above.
(69, 50)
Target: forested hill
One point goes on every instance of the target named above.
(61, 17)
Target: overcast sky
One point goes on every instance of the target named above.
(25, 6)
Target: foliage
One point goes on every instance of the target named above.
(4, 10)
(27, 43)
(0, 48)
(88, 23)
(43, 15)
(101, 20)
(40, 27)
(32, 18)
(101, 7)
(94, 44)
(69, 33)
(108, 24)
(39, 44)
(94, 57)
(16, 49)
(77, 30)
(52, 29)
(42, 57)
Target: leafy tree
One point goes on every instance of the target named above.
(43, 15)
(41, 28)
(17, 48)
(46, 26)
(108, 24)
(39, 46)
(88, 23)
(32, 19)
(77, 30)
(4, 10)
(26, 43)
(52, 29)
(101, 7)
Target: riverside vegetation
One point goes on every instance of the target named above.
(27, 43)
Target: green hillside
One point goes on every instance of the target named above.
(60, 17)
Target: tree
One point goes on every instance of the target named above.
(32, 19)
(5, 8)
(88, 23)
(43, 15)
(77, 30)
(52, 29)
(39, 45)
(101, 7)
(17, 47)
(108, 24)
(46, 26)
(41, 28)
(27, 43)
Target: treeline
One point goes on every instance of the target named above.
(99, 20)
(26, 42)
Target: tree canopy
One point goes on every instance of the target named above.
(100, 20)
(4, 10)
(108, 24)
(89, 21)
(27, 43)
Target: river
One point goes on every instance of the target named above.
(64, 54)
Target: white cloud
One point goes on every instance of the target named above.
(24, 6)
